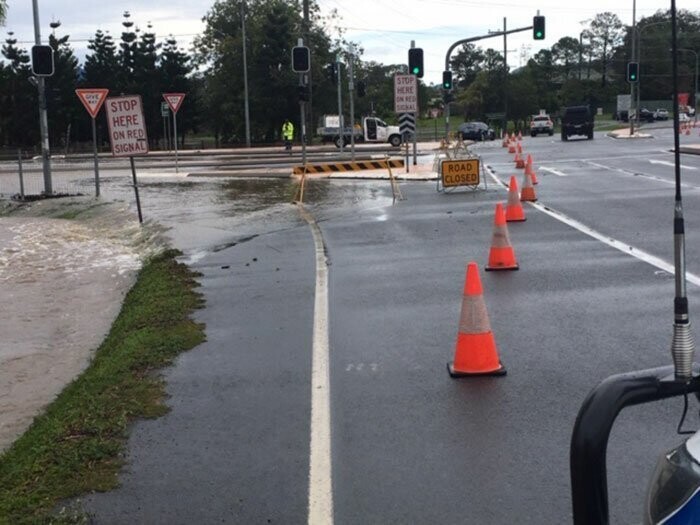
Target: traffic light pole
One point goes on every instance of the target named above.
(341, 127)
(43, 118)
(467, 41)
(303, 77)
(351, 94)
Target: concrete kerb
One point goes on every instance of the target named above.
(625, 134)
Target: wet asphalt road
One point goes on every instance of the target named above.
(410, 444)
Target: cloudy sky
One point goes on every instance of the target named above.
(384, 28)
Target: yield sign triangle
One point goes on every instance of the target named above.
(174, 100)
(92, 99)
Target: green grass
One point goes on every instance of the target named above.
(75, 446)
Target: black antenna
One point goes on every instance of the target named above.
(683, 345)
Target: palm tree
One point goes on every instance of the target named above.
(3, 11)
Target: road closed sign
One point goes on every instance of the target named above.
(127, 127)
(463, 172)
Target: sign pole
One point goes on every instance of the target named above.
(175, 134)
(136, 189)
(94, 152)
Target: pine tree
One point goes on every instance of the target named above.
(101, 66)
(18, 111)
(62, 104)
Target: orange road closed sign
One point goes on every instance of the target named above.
(463, 172)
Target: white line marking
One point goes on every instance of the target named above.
(320, 474)
(553, 171)
(666, 163)
(614, 243)
(636, 174)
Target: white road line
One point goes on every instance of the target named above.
(666, 163)
(320, 474)
(553, 171)
(614, 243)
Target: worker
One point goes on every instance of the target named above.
(288, 135)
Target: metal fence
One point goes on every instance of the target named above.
(23, 179)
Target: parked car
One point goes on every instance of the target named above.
(577, 120)
(661, 114)
(476, 131)
(645, 115)
(541, 124)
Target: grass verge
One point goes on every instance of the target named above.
(75, 446)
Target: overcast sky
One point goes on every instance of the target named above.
(384, 28)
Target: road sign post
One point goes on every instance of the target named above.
(406, 99)
(174, 100)
(127, 133)
(93, 99)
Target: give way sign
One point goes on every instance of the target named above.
(92, 99)
(174, 100)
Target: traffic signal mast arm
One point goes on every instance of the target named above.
(482, 37)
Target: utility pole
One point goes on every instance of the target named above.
(245, 78)
(43, 117)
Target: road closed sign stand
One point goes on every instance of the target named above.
(93, 99)
(174, 100)
(127, 133)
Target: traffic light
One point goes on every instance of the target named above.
(42, 61)
(447, 80)
(361, 88)
(538, 27)
(301, 59)
(632, 72)
(415, 62)
(447, 97)
(332, 72)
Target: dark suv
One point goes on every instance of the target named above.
(577, 120)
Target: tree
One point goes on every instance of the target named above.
(466, 64)
(19, 100)
(3, 11)
(566, 53)
(606, 34)
(102, 65)
(174, 69)
(62, 104)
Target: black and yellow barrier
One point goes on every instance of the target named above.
(337, 167)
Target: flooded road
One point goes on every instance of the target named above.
(66, 264)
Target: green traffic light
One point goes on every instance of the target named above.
(416, 70)
(538, 34)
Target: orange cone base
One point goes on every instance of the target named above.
(501, 267)
(500, 371)
(515, 216)
(519, 164)
(502, 259)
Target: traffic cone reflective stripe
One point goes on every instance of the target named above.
(502, 255)
(528, 192)
(475, 351)
(514, 209)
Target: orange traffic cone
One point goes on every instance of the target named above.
(520, 136)
(511, 148)
(527, 194)
(504, 143)
(502, 255)
(475, 352)
(519, 162)
(528, 169)
(514, 209)
(520, 148)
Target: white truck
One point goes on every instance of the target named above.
(373, 129)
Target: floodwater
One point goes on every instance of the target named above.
(66, 265)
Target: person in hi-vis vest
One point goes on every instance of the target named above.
(288, 135)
